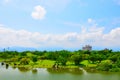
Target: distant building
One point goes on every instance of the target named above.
(87, 47)
(106, 49)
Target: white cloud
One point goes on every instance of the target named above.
(39, 12)
(90, 20)
(94, 36)
(1, 25)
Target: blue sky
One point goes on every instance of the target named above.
(60, 23)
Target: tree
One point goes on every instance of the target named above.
(62, 60)
(93, 57)
(114, 58)
(5, 55)
(24, 61)
(105, 66)
(100, 57)
(87, 52)
(14, 59)
(52, 55)
(23, 54)
(118, 63)
(76, 58)
(34, 59)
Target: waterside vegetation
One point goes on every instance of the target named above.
(92, 61)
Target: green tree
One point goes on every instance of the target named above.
(24, 61)
(93, 57)
(34, 59)
(105, 66)
(76, 58)
(114, 58)
(62, 60)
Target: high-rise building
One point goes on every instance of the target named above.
(87, 47)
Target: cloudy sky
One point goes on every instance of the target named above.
(60, 23)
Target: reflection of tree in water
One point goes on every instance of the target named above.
(53, 70)
(34, 71)
(14, 67)
(2, 63)
(23, 69)
(7, 66)
(65, 70)
(75, 71)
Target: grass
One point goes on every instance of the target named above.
(45, 63)
(50, 63)
(87, 64)
(1, 60)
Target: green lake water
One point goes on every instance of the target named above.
(49, 74)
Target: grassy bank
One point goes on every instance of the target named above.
(49, 64)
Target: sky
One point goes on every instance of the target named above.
(67, 24)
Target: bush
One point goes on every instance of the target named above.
(105, 66)
(114, 70)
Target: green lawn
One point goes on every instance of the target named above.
(44, 63)
(50, 63)
(87, 64)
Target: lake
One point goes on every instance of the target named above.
(10, 73)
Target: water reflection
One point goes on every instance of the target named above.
(84, 71)
(34, 71)
(14, 67)
(65, 70)
(7, 66)
(24, 69)
(25, 73)
(2, 63)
